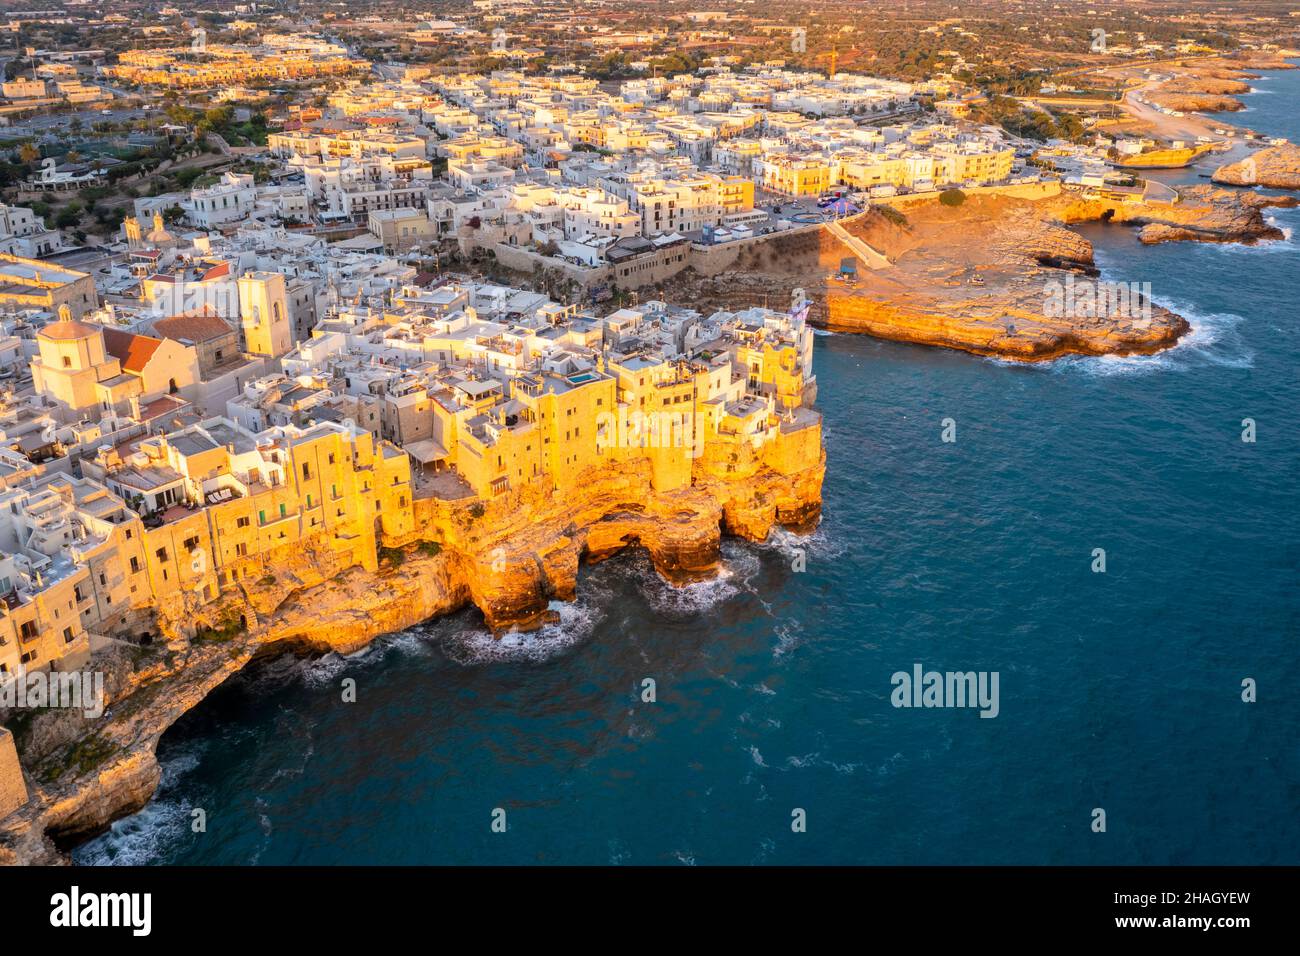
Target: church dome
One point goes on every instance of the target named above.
(67, 330)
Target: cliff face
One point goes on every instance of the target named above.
(999, 326)
(510, 557)
(1277, 167)
(978, 277)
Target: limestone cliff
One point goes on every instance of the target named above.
(510, 556)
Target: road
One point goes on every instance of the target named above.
(1186, 127)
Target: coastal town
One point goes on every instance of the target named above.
(314, 325)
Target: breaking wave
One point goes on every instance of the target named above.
(146, 837)
(478, 645)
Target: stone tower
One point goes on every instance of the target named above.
(264, 314)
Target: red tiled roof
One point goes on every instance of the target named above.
(133, 351)
(220, 271)
(192, 327)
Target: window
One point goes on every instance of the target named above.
(135, 565)
(282, 511)
(241, 522)
(306, 469)
(161, 554)
(27, 632)
(191, 543)
(67, 362)
(68, 635)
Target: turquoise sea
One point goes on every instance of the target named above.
(1119, 690)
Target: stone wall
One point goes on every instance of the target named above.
(13, 791)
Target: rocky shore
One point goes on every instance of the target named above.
(510, 557)
(982, 277)
(1212, 85)
(1276, 167)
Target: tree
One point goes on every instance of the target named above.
(28, 153)
(952, 197)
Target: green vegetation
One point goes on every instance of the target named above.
(230, 627)
(1019, 120)
(430, 549)
(952, 197)
(394, 557)
(84, 757)
(891, 215)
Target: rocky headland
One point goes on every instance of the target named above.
(510, 557)
(1212, 85)
(1275, 167)
(983, 277)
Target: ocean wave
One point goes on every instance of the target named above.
(788, 637)
(145, 837)
(688, 600)
(578, 620)
(820, 543)
(1214, 339)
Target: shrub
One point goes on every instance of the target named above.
(229, 627)
(890, 214)
(430, 549)
(952, 197)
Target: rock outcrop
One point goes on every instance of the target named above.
(1201, 213)
(510, 556)
(1197, 102)
(1276, 167)
(981, 277)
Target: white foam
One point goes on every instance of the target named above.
(688, 600)
(1214, 339)
(479, 646)
(144, 837)
(788, 637)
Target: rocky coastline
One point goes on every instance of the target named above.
(979, 277)
(1275, 167)
(510, 557)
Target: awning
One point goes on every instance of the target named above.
(425, 451)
